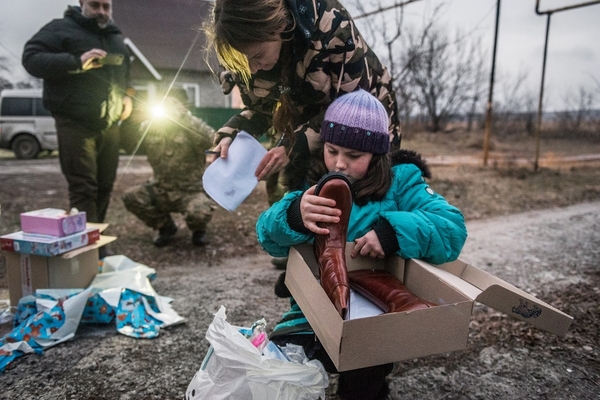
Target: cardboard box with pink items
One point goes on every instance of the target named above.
(45, 245)
(74, 269)
(390, 337)
(53, 222)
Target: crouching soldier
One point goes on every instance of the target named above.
(175, 146)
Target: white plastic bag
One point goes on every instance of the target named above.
(234, 369)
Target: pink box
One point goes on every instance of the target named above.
(53, 221)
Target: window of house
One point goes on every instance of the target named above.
(193, 92)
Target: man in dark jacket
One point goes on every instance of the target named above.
(84, 63)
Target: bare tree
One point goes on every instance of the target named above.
(432, 75)
(530, 105)
(515, 106)
(7, 80)
(4, 82)
(577, 110)
(440, 71)
(31, 83)
(478, 78)
(596, 113)
(383, 32)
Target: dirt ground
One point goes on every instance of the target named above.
(537, 230)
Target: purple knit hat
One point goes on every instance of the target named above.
(357, 121)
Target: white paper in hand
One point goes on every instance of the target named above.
(229, 181)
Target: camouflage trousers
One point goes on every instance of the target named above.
(276, 187)
(154, 205)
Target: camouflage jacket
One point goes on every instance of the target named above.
(175, 150)
(329, 57)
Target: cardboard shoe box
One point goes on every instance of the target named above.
(53, 221)
(72, 270)
(387, 338)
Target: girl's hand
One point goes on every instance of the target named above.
(318, 209)
(368, 246)
(222, 148)
(274, 161)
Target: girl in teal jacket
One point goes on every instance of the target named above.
(408, 218)
(394, 212)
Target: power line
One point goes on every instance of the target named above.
(382, 9)
(10, 52)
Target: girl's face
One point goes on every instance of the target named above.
(352, 163)
(262, 55)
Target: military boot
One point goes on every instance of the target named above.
(199, 238)
(165, 234)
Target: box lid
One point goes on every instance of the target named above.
(101, 226)
(80, 250)
(47, 212)
(485, 288)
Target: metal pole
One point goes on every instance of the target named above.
(572, 6)
(539, 115)
(488, 116)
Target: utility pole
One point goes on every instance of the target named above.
(488, 115)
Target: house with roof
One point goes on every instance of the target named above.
(168, 50)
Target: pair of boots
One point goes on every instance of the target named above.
(381, 287)
(167, 233)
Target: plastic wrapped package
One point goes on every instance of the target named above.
(234, 369)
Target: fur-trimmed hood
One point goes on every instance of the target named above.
(403, 156)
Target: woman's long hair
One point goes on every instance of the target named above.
(237, 23)
(286, 116)
(372, 187)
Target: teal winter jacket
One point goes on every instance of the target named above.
(426, 226)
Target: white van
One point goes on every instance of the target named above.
(26, 127)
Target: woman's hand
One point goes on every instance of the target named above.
(318, 209)
(222, 147)
(274, 161)
(368, 246)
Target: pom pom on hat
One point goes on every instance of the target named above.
(358, 121)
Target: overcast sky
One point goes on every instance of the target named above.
(573, 49)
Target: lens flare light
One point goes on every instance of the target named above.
(158, 111)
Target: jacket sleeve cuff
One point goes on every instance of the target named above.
(387, 237)
(294, 217)
(220, 135)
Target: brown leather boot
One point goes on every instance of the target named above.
(330, 249)
(386, 291)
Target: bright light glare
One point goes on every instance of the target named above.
(158, 111)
